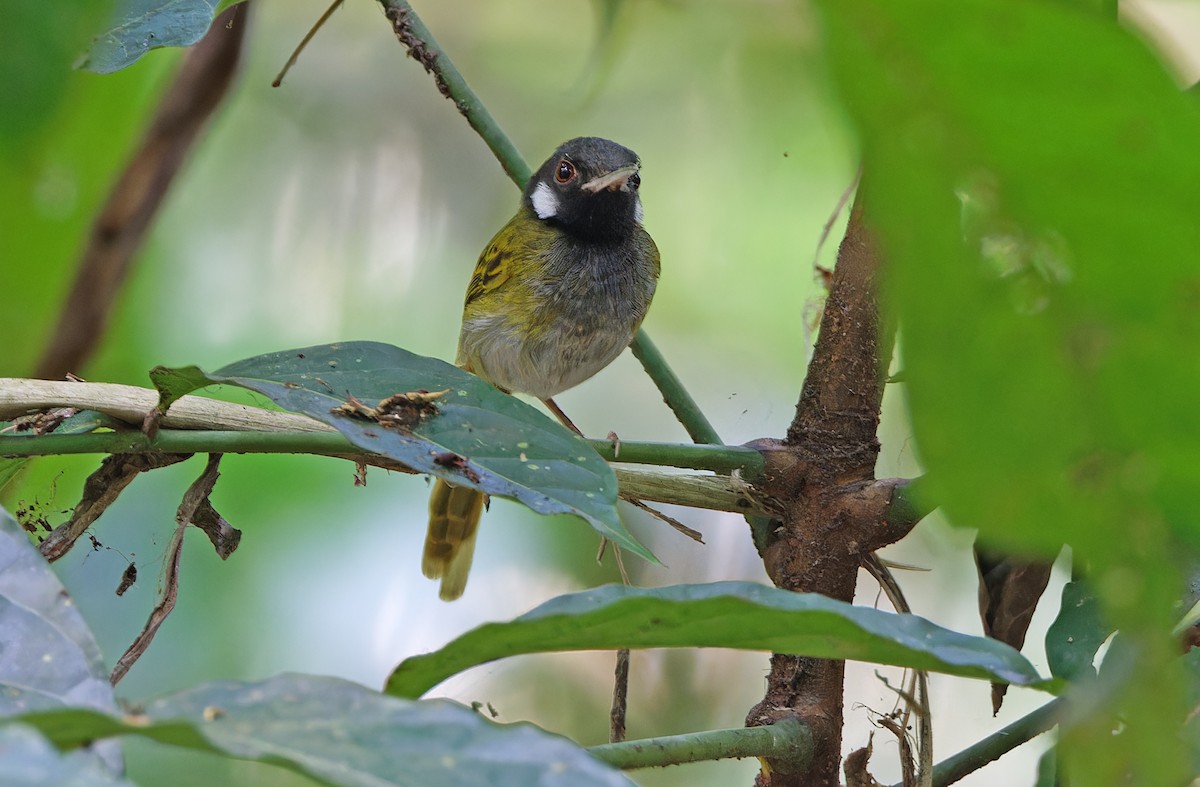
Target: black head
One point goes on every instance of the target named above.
(590, 188)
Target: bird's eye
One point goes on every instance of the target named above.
(565, 172)
(634, 181)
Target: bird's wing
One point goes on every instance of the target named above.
(494, 267)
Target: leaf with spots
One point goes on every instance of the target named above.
(471, 435)
(48, 659)
(341, 733)
(138, 26)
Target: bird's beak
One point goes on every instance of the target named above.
(617, 179)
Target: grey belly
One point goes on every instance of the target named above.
(544, 367)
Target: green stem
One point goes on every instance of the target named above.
(179, 441)
(721, 459)
(673, 392)
(423, 48)
(787, 740)
(718, 458)
(996, 745)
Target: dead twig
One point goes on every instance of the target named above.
(99, 491)
(196, 496)
(312, 31)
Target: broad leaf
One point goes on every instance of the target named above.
(342, 733)
(475, 435)
(1030, 172)
(28, 760)
(48, 657)
(1047, 769)
(1053, 343)
(738, 615)
(141, 25)
(1076, 634)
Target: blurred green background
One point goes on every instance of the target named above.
(351, 203)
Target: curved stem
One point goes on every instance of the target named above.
(996, 745)
(787, 741)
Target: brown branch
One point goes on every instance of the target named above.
(99, 492)
(620, 701)
(126, 217)
(834, 512)
(195, 497)
(839, 403)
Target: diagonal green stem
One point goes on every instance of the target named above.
(996, 745)
(423, 48)
(787, 740)
(674, 394)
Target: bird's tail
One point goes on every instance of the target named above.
(454, 513)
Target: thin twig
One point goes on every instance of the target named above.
(99, 492)
(566, 421)
(999, 743)
(312, 31)
(195, 496)
(695, 535)
(837, 211)
(916, 696)
(620, 565)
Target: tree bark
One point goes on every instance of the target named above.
(834, 514)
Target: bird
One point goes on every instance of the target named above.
(556, 296)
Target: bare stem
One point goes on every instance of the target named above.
(787, 740)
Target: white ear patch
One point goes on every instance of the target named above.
(638, 213)
(545, 202)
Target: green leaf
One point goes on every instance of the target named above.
(1035, 346)
(738, 615)
(1047, 769)
(28, 760)
(1076, 634)
(38, 44)
(48, 657)
(342, 733)
(141, 25)
(10, 468)
(1030, 172)
(1191, 728)
(478, 436)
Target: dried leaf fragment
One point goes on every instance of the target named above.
(398, 411)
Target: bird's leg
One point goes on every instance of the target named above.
(561, 416)
(675, 523)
